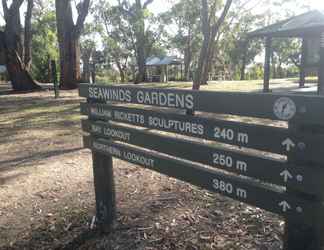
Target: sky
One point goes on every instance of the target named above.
(317, 4)
(159, 6)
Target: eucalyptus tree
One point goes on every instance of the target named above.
(184, 15)
(131, 33)
(118, 37)
(137, 13)
(69, 33)
(17, 54)
(211, 24)
(44, 42)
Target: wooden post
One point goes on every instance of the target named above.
(105, 191)
(55, 82)
(303, 63)
(321, 67)
(298, 236)
(266, 80)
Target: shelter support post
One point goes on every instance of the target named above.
(266, 80)
(321, 67)
(303, 63)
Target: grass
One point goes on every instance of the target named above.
(230, 86)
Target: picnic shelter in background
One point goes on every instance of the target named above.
(310, 28)
(164, 69)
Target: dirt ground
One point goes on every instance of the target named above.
(47, 199)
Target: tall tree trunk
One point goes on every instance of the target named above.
(188, 56)
(243, 65)
(11, 44)
(210, 31)
(86, 74)
(140, 42)
(204, 48)
(120, 69)
(209, 62)
(86, 53)
(19, 77)
(70, 63)
(68, 36)
(93, 73)
(122, 75)
(28, 35)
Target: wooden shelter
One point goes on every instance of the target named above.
(163, 69)
(310, 28)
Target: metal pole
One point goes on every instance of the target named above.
(303, 64)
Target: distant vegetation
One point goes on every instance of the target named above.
(110, 40)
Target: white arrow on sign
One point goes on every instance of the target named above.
(286, 175)
(288, 143)
(285, 206)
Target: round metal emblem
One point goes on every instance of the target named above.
(284, 108)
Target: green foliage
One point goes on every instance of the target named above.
(116, 26)
(44, 44)
(185, 17)
(255, 72)
(121, 26)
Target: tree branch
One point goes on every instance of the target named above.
(295, 61)
(28, 34)
(5, 9)
(147, 3)
(84, 9)
(15, 5)
(222, 17)
(204, 17)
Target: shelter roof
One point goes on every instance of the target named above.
(307, 24)
(168, 60)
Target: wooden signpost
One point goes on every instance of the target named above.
(55, 82)
(271, 165)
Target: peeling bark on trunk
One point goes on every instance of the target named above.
(70, 63)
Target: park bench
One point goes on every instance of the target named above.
(277, 167)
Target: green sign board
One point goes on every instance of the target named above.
(265, 150)
(265, 138)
